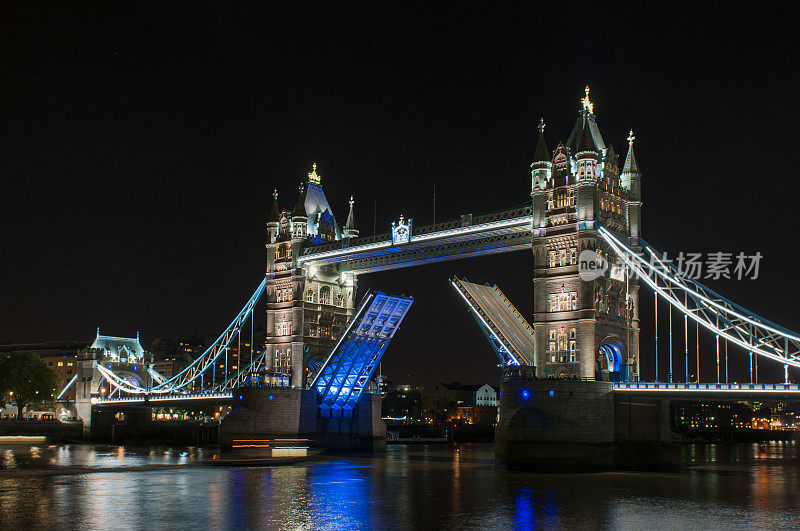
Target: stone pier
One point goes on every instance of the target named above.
(288, 413)
(572, 425)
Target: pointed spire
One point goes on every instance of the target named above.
(274, 213)
(630, 160)
(541, 154)
(300, 207)
(350, 228)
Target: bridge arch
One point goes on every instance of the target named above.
(612, 360)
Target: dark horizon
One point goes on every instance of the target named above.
(142, 148)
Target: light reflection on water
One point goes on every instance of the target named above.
(730, 486)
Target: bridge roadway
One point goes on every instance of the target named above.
(167, 400)
(712, 391)
(686, 391)
(498, 232)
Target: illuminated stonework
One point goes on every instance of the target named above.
(307, 308)
(583, 328)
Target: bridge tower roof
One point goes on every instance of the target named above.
(541, 154)
(274, 212)
(316, 203)
(586, 116)
(631, 166)
(117, 347)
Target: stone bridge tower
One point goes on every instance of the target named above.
(307, 309)
(585, 325)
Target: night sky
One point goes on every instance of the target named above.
(140, 146)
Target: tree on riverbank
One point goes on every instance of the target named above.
(27, 378)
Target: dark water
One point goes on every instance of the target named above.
(95, 487)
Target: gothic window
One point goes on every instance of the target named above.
(283, 329)
(282, 361)
(562, 257)
(552, 258)
(573, 256)
(325, 331)
(573, 351)
(562, 341)
(283, 295)
(563, 302)
(325, 295)
(340, 299)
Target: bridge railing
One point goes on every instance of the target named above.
(467, 220)
(161, 397)
(706, 387)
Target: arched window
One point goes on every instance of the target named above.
(309, 295)
(325, 295)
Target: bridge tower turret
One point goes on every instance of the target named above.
(541, 170)
(585, 323)
(586, 160)
(307, 308)
(350, 229)
(631, 181)
(283, 360)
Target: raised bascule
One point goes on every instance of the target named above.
(580, 351)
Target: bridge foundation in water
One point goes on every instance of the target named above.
(572, 425)
(282, 416)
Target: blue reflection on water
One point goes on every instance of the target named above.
(238, 502)
(530, 515)
(523, 509)
(339, 496)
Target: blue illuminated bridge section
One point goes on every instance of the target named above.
(498, 232)
(736, 391)
(352, 362)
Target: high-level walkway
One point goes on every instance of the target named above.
(469, 236)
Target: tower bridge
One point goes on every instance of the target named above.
(582, 328)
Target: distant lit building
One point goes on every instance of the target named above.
(712, 416)
(486, 395)
(65, 367)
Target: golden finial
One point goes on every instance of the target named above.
(313, 177)
(587, 105)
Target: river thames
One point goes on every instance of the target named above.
(415, 487)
